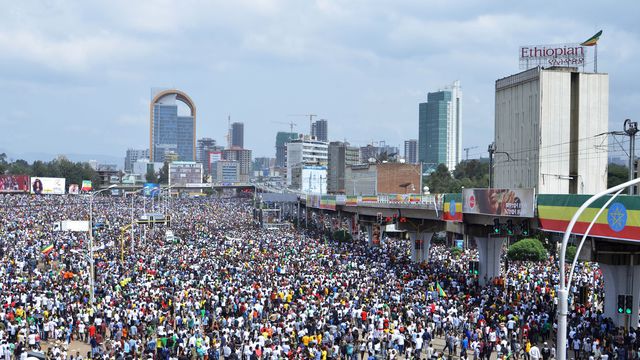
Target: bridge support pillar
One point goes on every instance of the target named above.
(420, 245)
(489, 251)
(620, 280)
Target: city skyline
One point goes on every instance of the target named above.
(63, 62)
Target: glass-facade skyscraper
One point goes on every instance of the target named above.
(440, 132)
(170, 132)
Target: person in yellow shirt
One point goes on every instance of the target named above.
(306, 340)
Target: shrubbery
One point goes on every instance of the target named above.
(527, 250)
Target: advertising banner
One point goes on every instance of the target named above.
(74, 189)
(47, 185)
(499, 202)
(71, 225)
(452, 208)
(341, 199)
(86, 185)
(14, 183)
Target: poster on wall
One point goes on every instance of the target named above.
(499, 202)
(48, 186)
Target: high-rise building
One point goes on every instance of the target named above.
(320, 129)
(341, 155)
(170, 131)
(440, 131)
(203, 146)
(305, 151)
(243, 156)
(411, 151)
(132, 156)
(237, 134)
(548, 131)
(282, 138)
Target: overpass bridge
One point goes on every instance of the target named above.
(492, 217)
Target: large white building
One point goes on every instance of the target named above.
(550, 123)
(305, 150)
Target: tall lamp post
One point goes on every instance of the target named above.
(91, 261)
(564, 286)
(492, 150)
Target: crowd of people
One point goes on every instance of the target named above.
(225, 288)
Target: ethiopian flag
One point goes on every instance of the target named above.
(592, 40)
(441, 292)
(47, 249)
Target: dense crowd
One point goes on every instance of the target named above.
(225, 288)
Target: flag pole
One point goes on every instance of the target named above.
(595, 59)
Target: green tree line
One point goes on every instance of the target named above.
(475, 174)
(73, 172)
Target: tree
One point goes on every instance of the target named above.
(472, 173)
(151, 176)
(164, 173)
(617, 174)
(527, 250)
(440, 181)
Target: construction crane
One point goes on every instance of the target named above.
(466, 150)
(291, 124)
(310, 120)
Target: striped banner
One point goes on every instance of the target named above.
(452, 207)
(621, 220)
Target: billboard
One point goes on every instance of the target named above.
(71, 225)
(47, 185)
(184, 172)
(150, 189)
(14, 183)
(498, 202)
(74, 189)
(552, 55)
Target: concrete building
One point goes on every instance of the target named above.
(377, 151)
(341, 155)
(243, 157)
(550, 123)
(305, 150)
(320, 129)
(203, 148)
(141, 166)
(440, 131)
(132, 156)
(282, 138)
(170, 131)
(411, 151)
(387, 178)
(225, 171)
(237, 135)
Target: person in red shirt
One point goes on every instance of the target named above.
(92, 331)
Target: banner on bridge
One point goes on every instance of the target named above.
(452, 208)
(621, 220)
(499, 202)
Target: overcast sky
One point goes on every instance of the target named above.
(76, 76)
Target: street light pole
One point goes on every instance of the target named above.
(91, 266)
(563, 289)
(631, 128)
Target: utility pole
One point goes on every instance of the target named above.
(631, 128)
(492, 150)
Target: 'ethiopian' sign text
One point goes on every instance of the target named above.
(552, 55)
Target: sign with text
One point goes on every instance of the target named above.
(552, 55)
(498, 202)
(47, 185)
